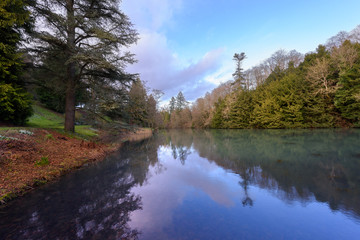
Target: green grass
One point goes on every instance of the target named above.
(42, 162)
(86, 130)
(45, 118)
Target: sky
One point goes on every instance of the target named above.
(188, 45)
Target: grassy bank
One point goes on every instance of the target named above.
(41, 151)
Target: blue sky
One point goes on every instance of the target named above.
(187, 45)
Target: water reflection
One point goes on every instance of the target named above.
(93, 203)
(302, 168)
(300, 163)
(215, 184)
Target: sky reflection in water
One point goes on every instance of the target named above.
(246, 184)
(197, 199)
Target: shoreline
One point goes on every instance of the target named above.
(33, 157)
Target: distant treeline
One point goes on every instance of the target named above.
(288, 90)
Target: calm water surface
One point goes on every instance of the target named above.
(218, 184)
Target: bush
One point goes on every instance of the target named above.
(15, 104)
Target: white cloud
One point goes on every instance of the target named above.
(161, 69)
(160, 66)
(151, 14)
(222, 75)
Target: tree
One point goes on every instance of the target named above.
(217, 119)
(238, 74)
(172, 104)
(337, 40)
(151, 111)
(92, 35)
(345, 55)
(14, 18)
(241, 110)
(137, 107)
(347, 97)
(48, 78)
(15, 103)
(319, 75)
(181, 102)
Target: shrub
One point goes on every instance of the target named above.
(15, 104)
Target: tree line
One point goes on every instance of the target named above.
(288, 90)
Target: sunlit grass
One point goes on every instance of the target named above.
(45, 118)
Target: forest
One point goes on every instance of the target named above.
(320, 89)
(71, 57)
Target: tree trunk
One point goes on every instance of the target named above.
(70, 106)
(71, 68)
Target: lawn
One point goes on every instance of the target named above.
(45, 118)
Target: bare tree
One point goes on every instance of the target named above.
(355, 34)
(344, 56)
(318, 75)
(337, 40)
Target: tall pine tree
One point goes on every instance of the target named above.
(92, 34)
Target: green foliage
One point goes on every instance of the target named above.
(137, 103)
(15, 104)
(13, 18)
(217, 120)
(323, 91)
(51, 98)
(180, 102)
(281, 104)
(241, 110)
(49, 79)
(49, 136)
(238, 75)
(91, 36)
(42, 162)
(275, 75)
(347, 97)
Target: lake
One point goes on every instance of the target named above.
(208, 184)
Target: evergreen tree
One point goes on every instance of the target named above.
(241, 110)
(15, 103)
(172, 105)
(347, 97)
(217, 120)
(14, 17)
(137, 107)
(91, 34)
(238, 74)
(181, 102)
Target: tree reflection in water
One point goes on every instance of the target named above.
(98, 207)
(296, 165)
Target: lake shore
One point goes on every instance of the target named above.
(33, 157)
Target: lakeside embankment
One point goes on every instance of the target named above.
(33, 157)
